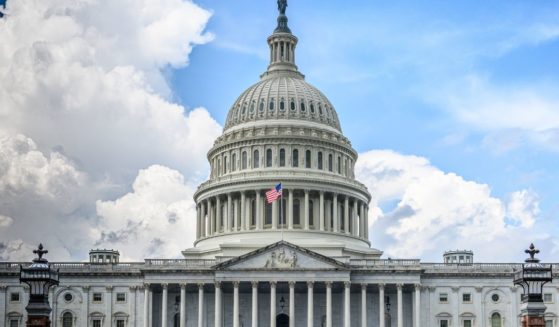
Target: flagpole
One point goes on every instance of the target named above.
(281, 210)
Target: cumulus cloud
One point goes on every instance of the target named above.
(419, 210)
(156, 219)
(84, 106)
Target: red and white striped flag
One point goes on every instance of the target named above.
(273, 194)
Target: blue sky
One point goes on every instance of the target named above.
(389, 68)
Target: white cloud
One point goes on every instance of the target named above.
(5, 221)
(156, 219)
(421, 211)
(84, 106)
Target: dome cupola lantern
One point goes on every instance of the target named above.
(282, 44)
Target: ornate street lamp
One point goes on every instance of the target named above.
(532, 277)
(40, 278)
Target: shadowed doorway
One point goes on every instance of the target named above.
(282, 320)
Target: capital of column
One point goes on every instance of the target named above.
(310, 284)
(236, 284)
(200, 286)
(347, 284)
(84, 287)
(273, 283)
(291, 284)
(364, 286)
(133, 288)
(254, 284)
(183, 286)
(165, 286)
(328, 284)
(417, 287)
(478, 289)
(381, 286)
(217, 284)
(399, 287)
(109, 288)
(455, 289)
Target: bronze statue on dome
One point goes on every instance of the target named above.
(282, 6)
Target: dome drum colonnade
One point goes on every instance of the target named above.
(282, 130)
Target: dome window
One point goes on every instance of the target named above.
(312, 108)
(320, 160)
(303, 109)
(271, 104)
(330, 163)
(244, 109)
(282, 158)
(295, 158)
(282, 104)
(244, 160)
(261, 105)
(256, 159)
(269, 158)
(252, 107)
(233, 162)
(308, 158)
(292, 105)
(320, 109)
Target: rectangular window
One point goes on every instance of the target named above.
(467, 297)
(120, 323)
(14, 297)
(97, 297)
(467, 323)
(443, 323)
(15, 323)
(443, 297)
(120, 297)
(549, 323)
(548, 297)
(97, 323)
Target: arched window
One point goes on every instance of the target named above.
(283, 213)
(312, 108)
(496, 320)
(244, 160)
(320, 160)
(295, 158)
(282, 157)
(67, 320)
(296, 212)
(292, 105)
(268, 217)
(261, 108)
(271, 104)
(308, 159)
(252, 106)
(234, 162)
(339, 165)
(218, 167)
(330, 163)
(256, 159)
(269, 158)
(311, 213)
(303, 109)
(225, 165)
(253, 212)
(346, 169)
(282, 104)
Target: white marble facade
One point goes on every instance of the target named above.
(305, 262)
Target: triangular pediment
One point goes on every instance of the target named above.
(282, 256)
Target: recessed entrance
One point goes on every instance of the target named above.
(282, 320)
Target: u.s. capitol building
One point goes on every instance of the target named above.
(304, 260)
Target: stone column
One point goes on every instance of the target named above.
(200, 305)
(204, 226)
(182, 311)
(290, 211)
(400, 305)
(417, 309)
(219, 220)
(258, 211)
(307, 223)
(254, 304)
(321, 210)
(310, 304)
(198, 221)
(363, 305)
(275, 209)
(346, 215)
(208, 218)
(218, 320)
(328, 304)
(235, 304)
(245, 222)
(272, 304)
(229, 222)
(213, 222)
(236, 215)
(335, 212)
(146, 305)
(381, 305)
(354, 224)
(361, 220)
(347, 299)
(367, 222)
(291, 303)
(164, 297)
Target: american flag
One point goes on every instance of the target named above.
(273, 194)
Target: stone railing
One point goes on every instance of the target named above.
(179, 263)
(382, 264)
(504, 268)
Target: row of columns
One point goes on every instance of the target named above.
(273, 285)
(225, 214)
(282, 51)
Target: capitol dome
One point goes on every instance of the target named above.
(282, 130)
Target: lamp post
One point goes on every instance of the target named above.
(40, 278)
(532, 277)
